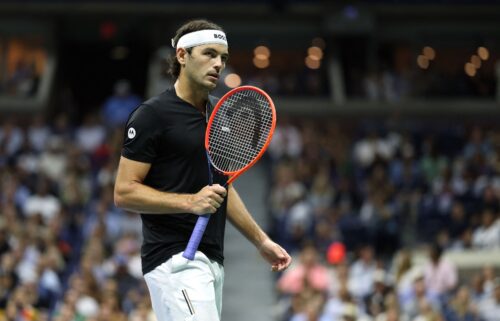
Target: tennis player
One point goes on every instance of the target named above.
(163, 175)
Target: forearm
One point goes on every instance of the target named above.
(239, 216)
(137, 197)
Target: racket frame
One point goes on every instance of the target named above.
(234, 174)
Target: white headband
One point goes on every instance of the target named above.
(201, 37)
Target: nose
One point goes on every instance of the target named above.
(218, 63)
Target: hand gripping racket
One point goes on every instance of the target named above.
(237, 135)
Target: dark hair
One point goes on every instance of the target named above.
(174, 68)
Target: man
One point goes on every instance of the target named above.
(163, 175)
(117, 108)
(489, 308)
(441, 276)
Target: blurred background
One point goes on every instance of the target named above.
(382, 180)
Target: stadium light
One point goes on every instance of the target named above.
(312, 63)
(476, 61)
(232, 80)
(483, 53)
(423, 62)
(315, 53)
(429, 52)
(261, 63)
(470, 69)
(262, 52)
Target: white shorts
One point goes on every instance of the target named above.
(183, 290)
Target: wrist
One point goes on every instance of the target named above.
(185, 203)
(261, 240)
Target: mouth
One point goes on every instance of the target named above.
(213, 76)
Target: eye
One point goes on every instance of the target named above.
(211, 54)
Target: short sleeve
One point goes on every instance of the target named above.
(140, 135)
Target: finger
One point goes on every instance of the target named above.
(219, 190)
(282, 266)
(211, 209)
(216, 197)
(286, 257)
(288, 260)
(215, 204)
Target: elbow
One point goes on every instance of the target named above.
(119, 197)
(118, 200)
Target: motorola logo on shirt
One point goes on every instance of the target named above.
(131, 132)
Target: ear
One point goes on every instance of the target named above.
(181, 53)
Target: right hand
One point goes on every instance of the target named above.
(207, 200)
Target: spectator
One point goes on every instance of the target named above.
(309, 271)
(42, 202)
(440, 274)
(341, 306)
(361, 273)
(118, 107)
(90, 135)
(487, 235)
(490, 307)
(374, 302)
(287, 141)
(53, 159)
(404, 271)
(38, 133)
(418, 299)
(11, 137)
(461, 308)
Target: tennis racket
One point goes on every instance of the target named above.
(237, 135)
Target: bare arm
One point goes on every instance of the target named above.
(131, 194)
(239, 216)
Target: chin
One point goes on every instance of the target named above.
(211, 85)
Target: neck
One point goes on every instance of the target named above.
(195, 95)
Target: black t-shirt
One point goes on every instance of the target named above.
(169, 133)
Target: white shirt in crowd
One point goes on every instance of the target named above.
(361, 278)
(48, 206)
(487, 237)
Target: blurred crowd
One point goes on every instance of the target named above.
(352, 202)
(391, 85)
(356, 202)
(66, 252)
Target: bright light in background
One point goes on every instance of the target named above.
(312, 63)
(261, 57)
(476, 61)
(423, 62)
(262, 52)
(260, 63)
(429, 53)
(470, 69)
(315, 53)
(232, 80)
(319, 42)
(483, 53)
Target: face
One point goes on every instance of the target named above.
(204, 65)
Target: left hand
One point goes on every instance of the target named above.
(275, 255)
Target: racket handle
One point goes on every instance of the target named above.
(196, 236)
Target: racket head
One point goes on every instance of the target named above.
(239, 130)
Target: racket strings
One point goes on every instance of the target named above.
(239, 130)
(233, 154)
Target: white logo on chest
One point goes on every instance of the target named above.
(131, 132)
